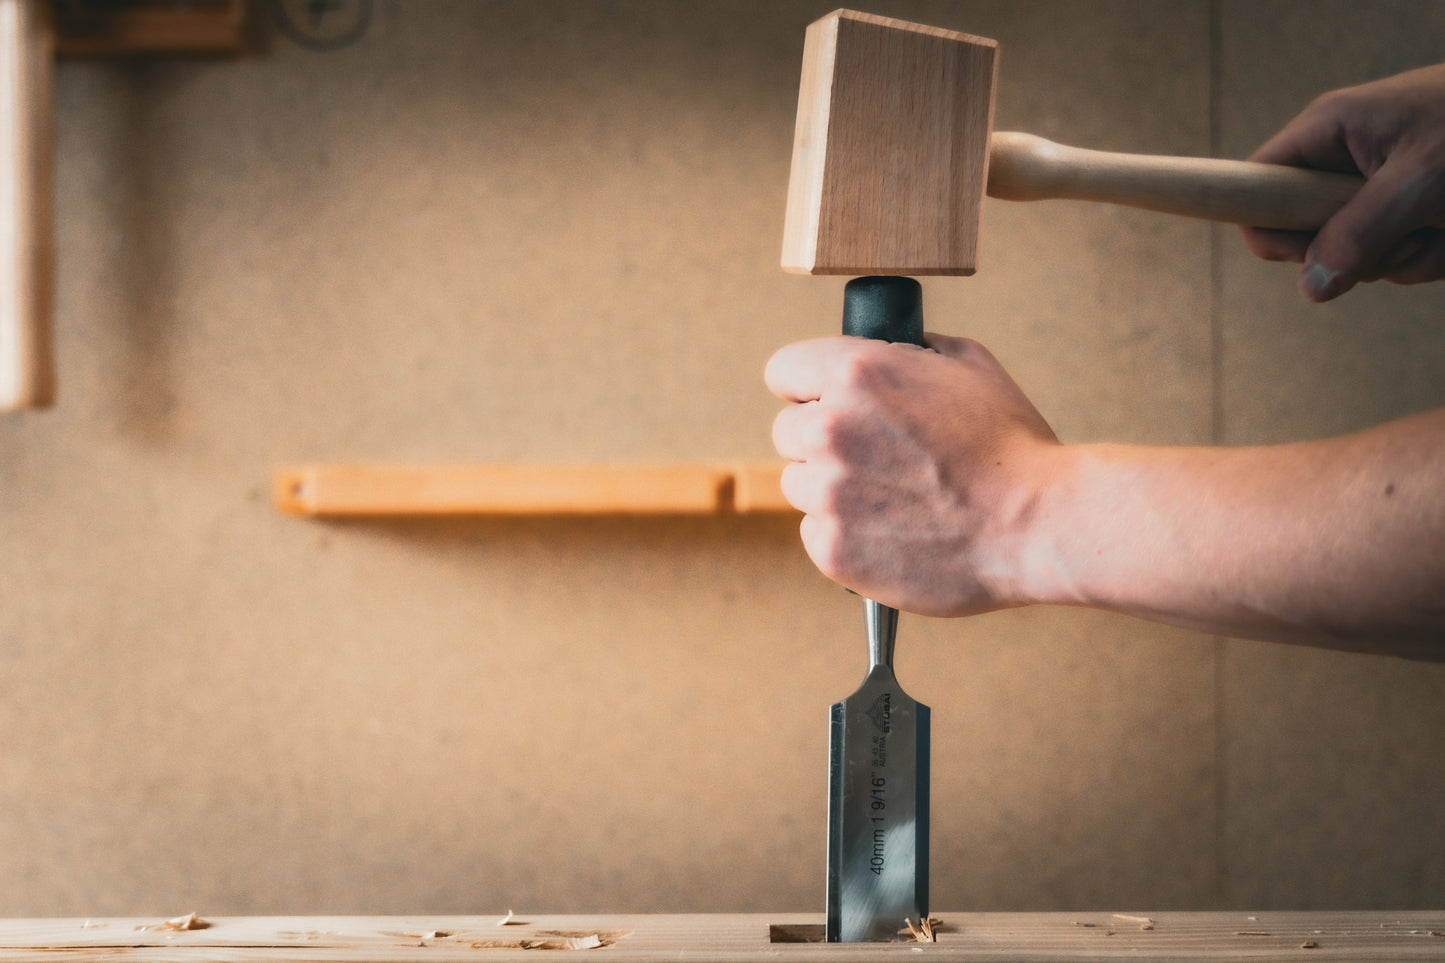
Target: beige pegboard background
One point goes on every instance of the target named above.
(542, 231)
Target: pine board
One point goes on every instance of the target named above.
(992, 937)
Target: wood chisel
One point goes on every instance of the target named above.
(878, 752)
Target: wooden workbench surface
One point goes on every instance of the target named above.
(995, 937)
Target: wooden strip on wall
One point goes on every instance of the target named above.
(519, 490)
(508, 489)
(756, 488)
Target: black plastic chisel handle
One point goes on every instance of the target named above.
(884, 308)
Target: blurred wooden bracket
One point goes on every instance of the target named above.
(90, 28)
(32, 33)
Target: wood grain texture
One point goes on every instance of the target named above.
(27, 376)
(993, 937)
(517, 490)
(889, 148)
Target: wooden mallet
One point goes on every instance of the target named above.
(893, 149)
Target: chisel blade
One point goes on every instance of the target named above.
(877, 801)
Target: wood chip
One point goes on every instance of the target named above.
(421, 938)
(588, 942)
(924, 932)
(181, 923)
(551, 941)
(1309, 945)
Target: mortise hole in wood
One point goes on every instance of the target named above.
(815, 933)
(795, 933)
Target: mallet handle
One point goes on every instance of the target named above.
(1024, 167)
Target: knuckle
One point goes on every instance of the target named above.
(832, 431)
(866, 369)
(1332, 104)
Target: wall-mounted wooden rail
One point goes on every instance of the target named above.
(341, 491)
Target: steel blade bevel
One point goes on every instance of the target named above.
(877, 812)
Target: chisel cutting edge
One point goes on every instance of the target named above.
(877, 801)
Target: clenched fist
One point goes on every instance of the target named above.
(916, 469)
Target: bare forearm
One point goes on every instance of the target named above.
(930, 483)
(1338, 543)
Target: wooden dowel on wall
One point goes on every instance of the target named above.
(27, 43)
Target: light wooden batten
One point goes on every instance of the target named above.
(529, 490)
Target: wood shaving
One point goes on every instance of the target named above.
(180, 924)
(924, 932)
(552, 941)
(510, 920)
(1145, 923)
(421, 937)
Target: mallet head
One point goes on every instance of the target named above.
(890, 151)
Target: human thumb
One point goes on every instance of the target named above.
(1350, 247)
